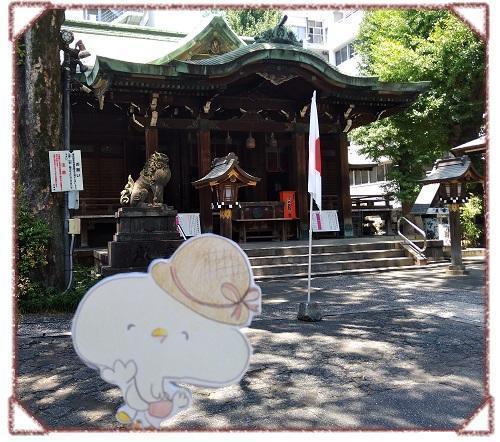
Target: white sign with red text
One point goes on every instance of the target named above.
(325, 221)
(65, 170)
(190, 223)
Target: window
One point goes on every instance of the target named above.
(299, 31)
(337, 16)
(387, 168)
(343, 16)
(324, 54)
(314, 32)
(380, 172)
(344, 54)
(364, 176)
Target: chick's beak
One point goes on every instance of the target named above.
(159, 332)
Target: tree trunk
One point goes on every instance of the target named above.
(39, 120)
(406, 229)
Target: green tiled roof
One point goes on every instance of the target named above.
(230, 62)
(451, 169)
(169, 67)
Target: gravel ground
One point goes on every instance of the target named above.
(395, 350)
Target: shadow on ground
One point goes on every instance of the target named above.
(377, 360)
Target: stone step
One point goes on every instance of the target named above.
(473, 252)
(324, 267)
(326, 257)
(319, 249)
(436, 264)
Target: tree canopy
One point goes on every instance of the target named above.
(416, 45)
(250, 22)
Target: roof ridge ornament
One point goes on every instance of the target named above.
(278, 34)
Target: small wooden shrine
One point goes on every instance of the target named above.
(452, 175)
(224, 180)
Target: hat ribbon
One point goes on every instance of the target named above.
(229, 291)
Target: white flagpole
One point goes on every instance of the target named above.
(310, 251)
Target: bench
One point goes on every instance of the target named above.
(99, 206)
(89, 221)
(264, 220)
(94, 211)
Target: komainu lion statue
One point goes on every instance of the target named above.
(153, 178)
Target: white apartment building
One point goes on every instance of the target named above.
(330, 33)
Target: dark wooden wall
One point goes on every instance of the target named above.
(112, 149)
(104, 153)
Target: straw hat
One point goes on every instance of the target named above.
(211, 275)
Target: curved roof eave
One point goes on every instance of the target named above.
(451, 169)
(231, 62)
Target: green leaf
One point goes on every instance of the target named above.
(422, 45)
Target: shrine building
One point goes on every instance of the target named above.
(210, 93)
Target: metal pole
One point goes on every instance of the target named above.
(66, 101)
(310, 251)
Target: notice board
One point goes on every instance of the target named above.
(65, 170)
(190, 223)
(325, 221)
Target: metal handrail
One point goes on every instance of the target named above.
(409, 241)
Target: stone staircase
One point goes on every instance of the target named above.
(274, 260)
(291, 261)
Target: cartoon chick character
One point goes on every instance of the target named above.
(178, 323)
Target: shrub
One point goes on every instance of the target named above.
(469, 214)
(33, 235)
(57, 301)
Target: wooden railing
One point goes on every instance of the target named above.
(371, 201)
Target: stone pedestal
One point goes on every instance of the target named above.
(456, 267)
(142, 235)
(309, 311)
(457, 270)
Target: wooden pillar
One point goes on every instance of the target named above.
(456, 267)
(204, 162)
(226, 222)
(345, 192)
(151, 140)
(301, 182)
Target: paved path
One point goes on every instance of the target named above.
(396, 350)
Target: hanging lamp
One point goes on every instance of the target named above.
(250, 143)
(273, 142)
(229, 140)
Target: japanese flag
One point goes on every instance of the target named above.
(314, 179)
